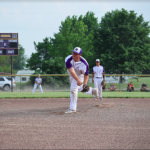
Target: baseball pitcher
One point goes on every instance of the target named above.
(97, 77)
(78, 70)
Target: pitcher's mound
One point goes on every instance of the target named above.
(105, 105)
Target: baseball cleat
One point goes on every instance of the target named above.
(95, 98)
(95, 93)
(70, 111)
(101, 98)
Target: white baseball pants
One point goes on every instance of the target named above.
(35, 86)
(74, 88)
(97, 84)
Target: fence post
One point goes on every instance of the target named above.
(120, 85)
(119, 82)
(54, 83)
(20, 83)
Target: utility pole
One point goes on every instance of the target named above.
(11, 73)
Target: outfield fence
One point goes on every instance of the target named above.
(60, 82)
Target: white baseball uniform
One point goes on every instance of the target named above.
(38, 80)
(81, 67)
(98, 78)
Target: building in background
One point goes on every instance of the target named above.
(24, 77)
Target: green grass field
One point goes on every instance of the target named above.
(114, 94)
(25, 87)
(137, 84)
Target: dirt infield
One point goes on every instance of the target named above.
(42, 124)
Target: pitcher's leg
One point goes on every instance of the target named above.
(70, 101)
(100, 92)
(73, 100)
(100, 88)
(96, 86)
(73, 95)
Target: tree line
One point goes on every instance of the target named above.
(19, 62)
(121, 41)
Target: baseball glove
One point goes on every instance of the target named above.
(85, 88)
(103, 83)
(38, 85)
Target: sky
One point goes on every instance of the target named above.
(35, 20)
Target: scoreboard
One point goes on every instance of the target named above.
(9, 44)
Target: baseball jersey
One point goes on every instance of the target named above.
(98, 71)
(80, 67)
(38, 80)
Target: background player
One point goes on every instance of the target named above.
(98, 75)
(38, 82)
(78, 70)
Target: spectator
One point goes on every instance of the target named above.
(144, 87)
(104, 86)
(112, 87)
(130, 87)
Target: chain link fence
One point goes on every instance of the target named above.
(60, 82)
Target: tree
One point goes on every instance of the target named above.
(72, 33)
(42, 54)
(33, 62)
(123, 42)
(46, 58)
(4, 64)
(50, 54)
(92, 22)
(19, 61)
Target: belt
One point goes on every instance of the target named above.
(98, 77)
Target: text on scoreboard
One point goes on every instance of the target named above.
(9, 44)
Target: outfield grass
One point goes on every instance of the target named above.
(123, 86)
(114, 94)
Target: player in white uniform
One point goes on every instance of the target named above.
(98, 75)
(78, 70)
(38, 82)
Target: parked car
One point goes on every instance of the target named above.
(5, 83)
